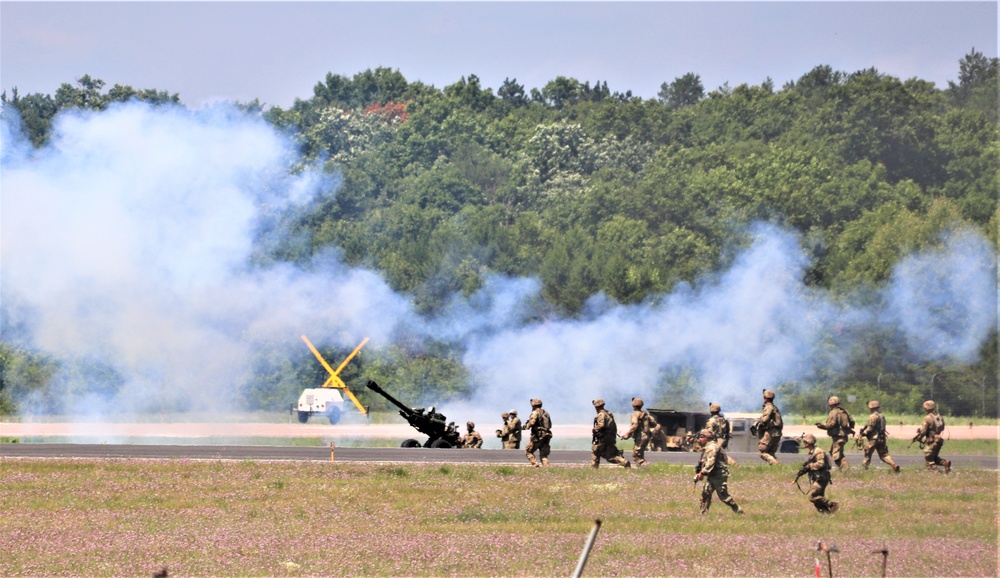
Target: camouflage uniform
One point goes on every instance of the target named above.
(472, 439)
(540, 425)
(605, 438)
(930, 435)
(503, 433)
(640, 430)
(658, 439)
(838, 426)
(769, 427)
(713, 469)
(817, 466)
(720, 428)
(513, 430)
(875, 435)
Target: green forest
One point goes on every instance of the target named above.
(593, 191)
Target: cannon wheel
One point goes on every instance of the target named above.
(789, 447)
(303, 416)
(439, 443)
(410, 444)
(334, 415)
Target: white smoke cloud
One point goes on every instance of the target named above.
(127, 240)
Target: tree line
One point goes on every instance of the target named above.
(593, 191)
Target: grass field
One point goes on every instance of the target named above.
(229, 518)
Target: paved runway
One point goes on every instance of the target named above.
(401, 455)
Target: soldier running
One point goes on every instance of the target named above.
(720, 428)
(929, 436)
(540, 425)
(817, 465)
(768, 429)
(839, 426)
(875, 436)
(605, 438)
(713, 469)
(640, 430)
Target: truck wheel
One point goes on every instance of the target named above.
(440, 444)
(334, 415)
(303, 416)
(789, 447)
(410, 444)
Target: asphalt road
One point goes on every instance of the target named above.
(404, 455)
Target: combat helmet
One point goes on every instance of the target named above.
(598, 402)
(929, 405)
(505, 415)
(714, 408)
(768, 394)
(809, 440)
(834, 400)
(470, 425)
(636, 402)
(707, 433)
(873, 404)
(512, 412)
(535, 402)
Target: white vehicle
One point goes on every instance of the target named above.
(327, 400)
(321, 401)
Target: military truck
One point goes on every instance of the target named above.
(682, 427)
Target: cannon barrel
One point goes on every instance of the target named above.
(406, 411)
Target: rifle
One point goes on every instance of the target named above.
(697, 470)
(917, 438)
(802, 471)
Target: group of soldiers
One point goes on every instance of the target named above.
(839, 425)
(713, 468)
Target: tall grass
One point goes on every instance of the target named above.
(232, 518)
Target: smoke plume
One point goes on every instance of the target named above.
(128, 240)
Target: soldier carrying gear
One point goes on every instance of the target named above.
(839, 425)
(512, 429)
(768, 428)
(713, 469)
(540, 425)
(817, 465)
(929, 436)
(641, 430)
(875, 435)
(502, 433)
(720, 427)
(472, 439)
(605, 438)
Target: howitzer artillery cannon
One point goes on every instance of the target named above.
(440, 434)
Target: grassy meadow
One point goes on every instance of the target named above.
(228, 518)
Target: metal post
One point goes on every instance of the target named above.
(586, 549)
(331, 451)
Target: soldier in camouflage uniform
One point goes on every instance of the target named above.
(875, 437)
(713, 469)
(720, 428)
(472, 439)
(640, 430)
(513, 429)
(657, 438)
(839, 426)
(768, 429)
(817, 465)
(929, 435)
(540, 425)
(502, 433)
(605, 438)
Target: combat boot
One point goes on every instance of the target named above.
(628, 465)
(704, 506)
(864, 465)
(834, 506)
(545, 462)
(736, 508)
(947, 465)
(895, 468)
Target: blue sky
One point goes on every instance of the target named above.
(277, 51)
